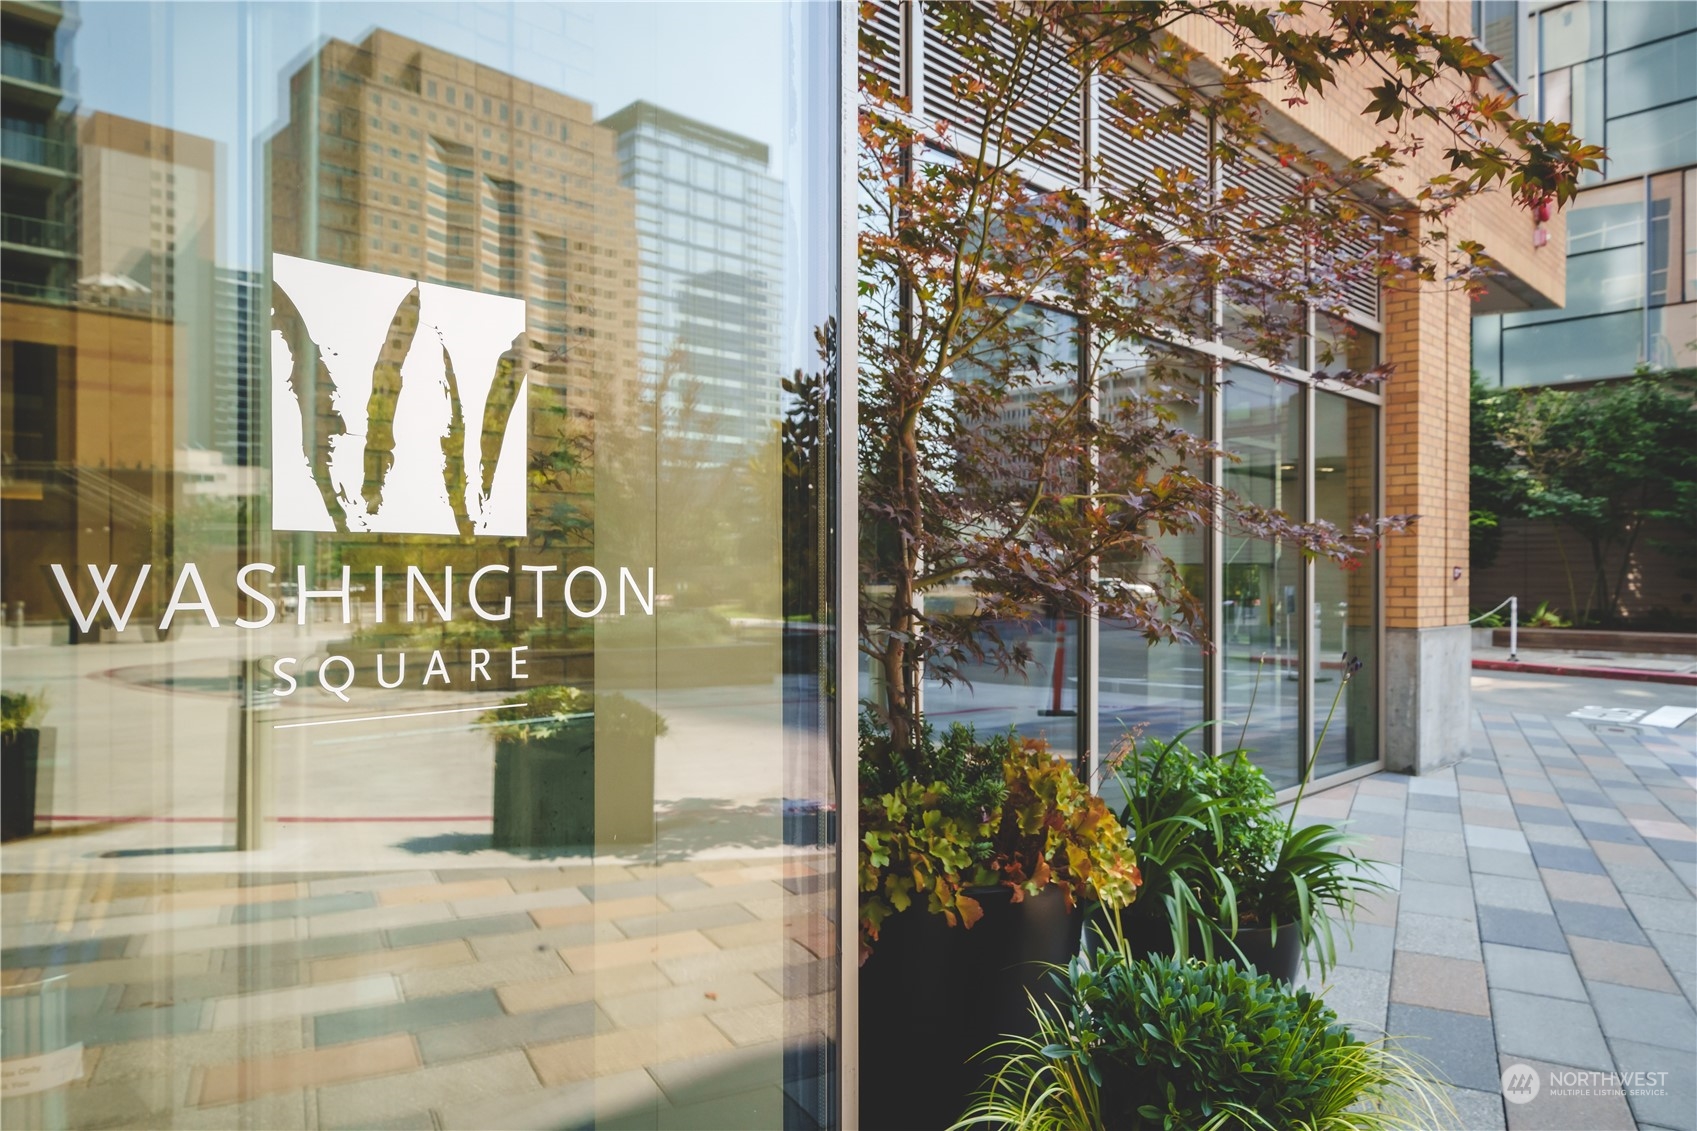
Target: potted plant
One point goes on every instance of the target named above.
(977, 859)
(573, 768)
(20, 756)
(1236, 875)
(1165, 1044)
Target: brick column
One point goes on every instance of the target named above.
(1427, 645)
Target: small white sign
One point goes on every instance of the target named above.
(25, 1075)
(1607, 714)
(1668, 717)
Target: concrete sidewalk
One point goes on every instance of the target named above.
(1544, 916)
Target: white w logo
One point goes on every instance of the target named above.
(410, 419)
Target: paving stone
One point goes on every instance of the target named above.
(1368, 946)
(238, 1080)
(1673, 850)
(561, 1062)
(616, 1102)
(732, 991)
(141, 1024)
(1596, 922)
(696, 919)
(1476, 1111)
(1581, 887)
(299, 1001)
(1602, 960)
(1532, 971)
(1434, 869)
(483, 974)
(1357, 995)
(1675, 915)
(1614, 834)
(1567, 858)
(1484, 836)
(1433, 803)
(1459, 1047)
(1629, 1013)
(300, 908)
(1500, 863)
(1512, 927)
(1542, 815)
(1562, 835)
(505, 1075)
(459, 929)
(1547, 1028)
(1653, 879)
(403, 1016)
(1439, 983)
(1550, 1110)
(478, 1038)
(1421, 822)
(1437, 934)
(1368, 803)
(1510, 891)
(657, 886)
(1447, 900)
(1676, 1107)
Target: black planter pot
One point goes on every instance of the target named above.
(933, 996)
(1151, 936)
(20, 756)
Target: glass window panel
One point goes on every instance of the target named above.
(1496, 24)
(1487, 349)
(509, 455)
(1557, 88)
(1654, 140)
(1571, 34)
(1346, 445)
(1690, 242)
(1607, 345)
(1598, 282)
(1665, 253)
(1158, 687)
(1673, 336)
(1341, 344)
(1653, 75)
(1611, 216)
(1632, 22)
(1588, 101)
(1262, 616)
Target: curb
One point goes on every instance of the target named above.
(1639, 675)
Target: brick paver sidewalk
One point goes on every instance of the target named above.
(1544, 916)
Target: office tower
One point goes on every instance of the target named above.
(709, 224)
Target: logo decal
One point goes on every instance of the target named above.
(1520, 1084)
(397, 406)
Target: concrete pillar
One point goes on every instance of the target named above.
(1427, 645)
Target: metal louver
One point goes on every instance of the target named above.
(1127, 160)
(1268, 188)
(1360, 291)
(1048, 89)
(885, 26)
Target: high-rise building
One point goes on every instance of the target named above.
(404, 159)
(709, 225)
(238, 352)
(1625, 74)
(37, 154)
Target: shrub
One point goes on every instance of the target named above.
(1182, 1046)
(962, 813)
(20, 710)
(542, 712)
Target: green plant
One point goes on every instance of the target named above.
(542, 712)
(20, 710)
(1545, 617)
(1489, 620)
(948, 816)
(1185, 1046)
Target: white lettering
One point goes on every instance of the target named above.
(249, 591)
(479, 665)
(415, 582)
(303, 594)
(400, 671)
(102, 598)
(189, 575)
(600, 586)
(518, 664)
(277, 670)
(539, 571)
(438, 666)
(377, 587)
(337, 691)
(471, 595)
(626, 577)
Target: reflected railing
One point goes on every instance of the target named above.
(33, 231)
(34, 149)
(19, 62)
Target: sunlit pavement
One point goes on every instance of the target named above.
(1544, 912)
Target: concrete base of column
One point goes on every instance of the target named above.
(1428, 703)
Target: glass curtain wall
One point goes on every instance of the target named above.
(1262, 626)
(1346, 600)
(415, 570)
